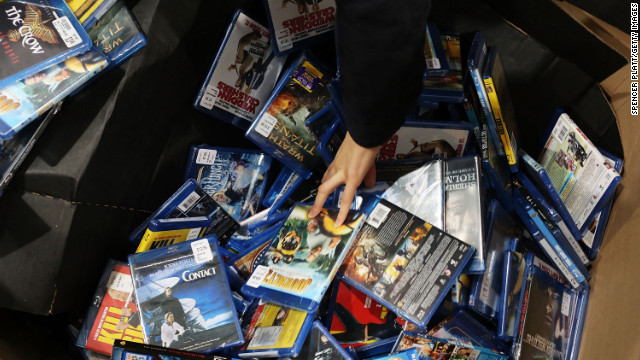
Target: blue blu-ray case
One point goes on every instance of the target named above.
(274, 330)
(30, 97)
(59, 37)
(449, 87)
(242, 74)
(552, 219)
(541, 179)
(91, 16)
(420, 139)
(297, 25)
(429, 347)
(462, 325)
(476, 61)
(15, 150)
(386, 262)
(127, 350)
(547, 241)
(245, 262)
(115, 32)
(514, 274)
(320, 344)
(545, 315)
(280, 129)
(434, 53)
(283, 186)
(190, 200)
(185, 282)
(377, 348)
(501, 230)
(234, 178)
(584, 189)
(593, 235)
(504, 115)
(410, 354)
(303, 258)
(577, 323)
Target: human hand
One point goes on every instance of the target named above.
(353, 164)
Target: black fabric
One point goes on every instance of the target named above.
(381, 63)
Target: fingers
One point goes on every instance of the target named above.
(328, 186)
(345, 205)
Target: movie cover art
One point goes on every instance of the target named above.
(244, 72)
(25, 100)
(294, 21)
(115, 30)
(282, 126)
(425, 142)
(36, 34)
(440, 349)
(357, 319)
(184, 298)
(235, 179)
(404, 262)
(546, 313)
(113, 315)
(274, 330)
(579, 173)
(303, 258)
(127, 350)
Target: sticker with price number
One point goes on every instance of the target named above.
(201, 251)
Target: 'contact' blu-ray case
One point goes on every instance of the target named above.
(184, 298)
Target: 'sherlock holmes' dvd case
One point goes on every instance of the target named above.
(296, 24)
(280, 128)
(184, 298)
(35, 34)
(464, 207)
(243, 73)
(404, 262)
(303, 258)
(234, 178)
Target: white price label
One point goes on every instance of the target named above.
(201, 251)
(120, 282)
(193, 234)
(209, 97)
(266, 124)
(284, 41)
(257, 276)
(67, 32)
(566, 304)
(206, 156)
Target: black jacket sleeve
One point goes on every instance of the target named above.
(381, 62)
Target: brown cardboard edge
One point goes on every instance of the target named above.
(611, 314)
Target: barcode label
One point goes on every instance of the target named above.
(206, 157)
(120, 282)
(560, 132)
(201, 251)
(433, 63)
(266, 124)
(265, 336)
(284, 41)
(378, 215)
(187, 203)
(67, 32)
(257, 276)
(566, 304)
(209, 97)
(193, 233)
